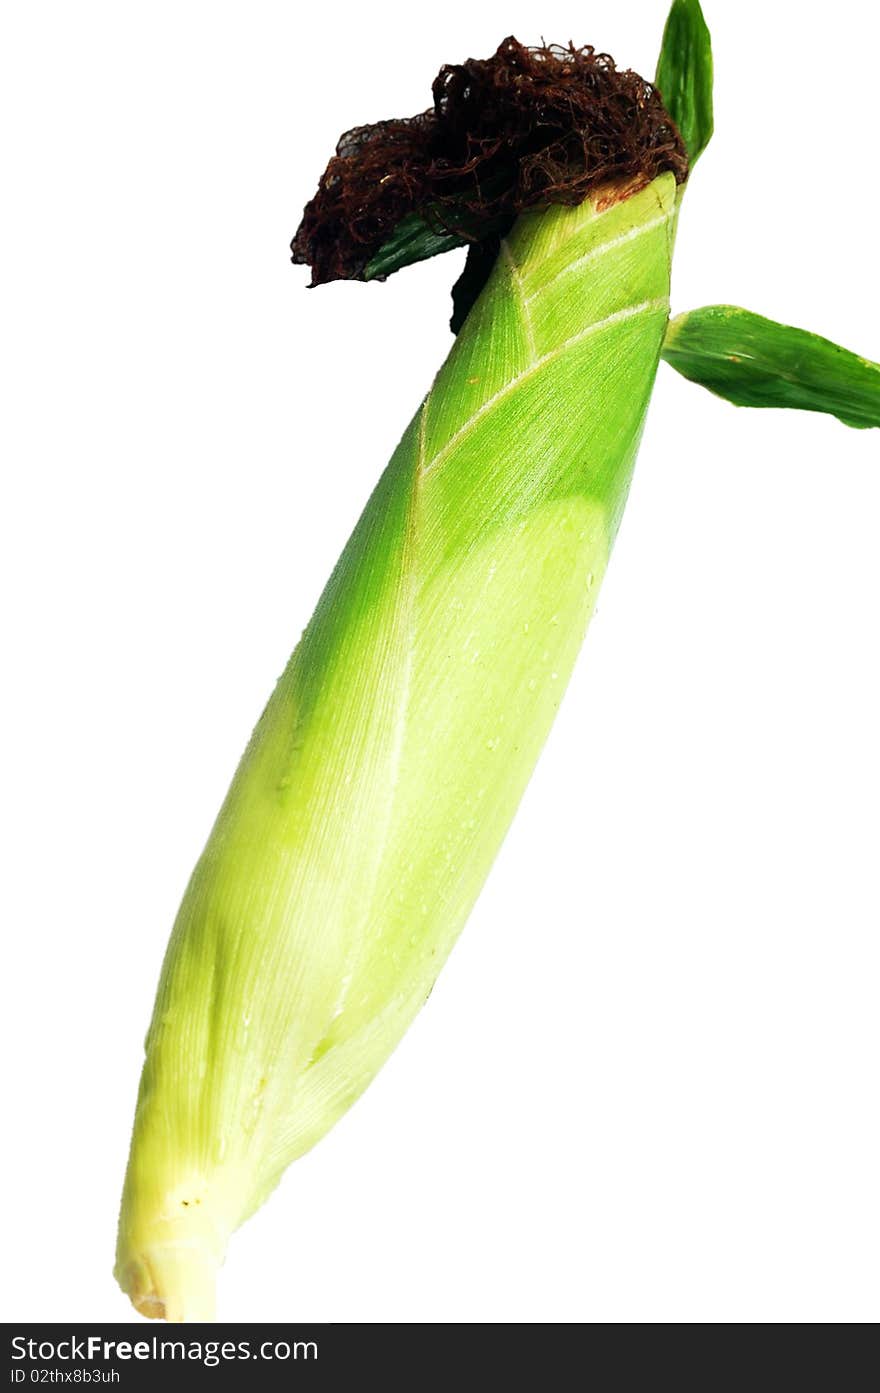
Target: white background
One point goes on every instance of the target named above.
(645, 1088)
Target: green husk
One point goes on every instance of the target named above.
(753, 361)
(391, 757)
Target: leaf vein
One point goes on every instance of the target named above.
(628, 312)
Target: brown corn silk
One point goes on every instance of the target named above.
(526, 127)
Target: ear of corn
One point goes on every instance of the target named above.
(752, 361)
(389, 761)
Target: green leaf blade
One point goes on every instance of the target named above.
(412, 240)
(752, 361)
(684, 75)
